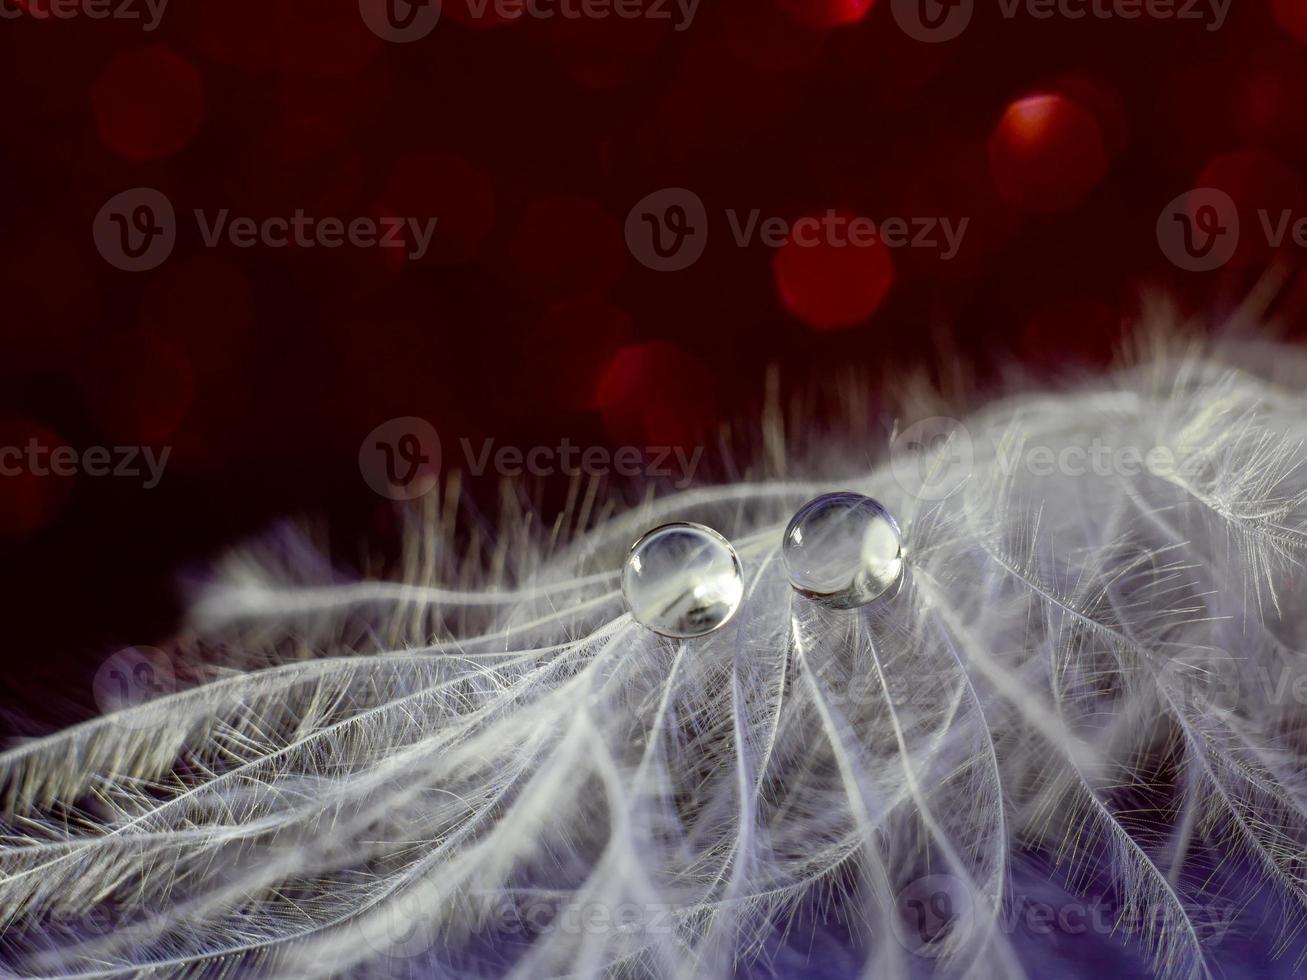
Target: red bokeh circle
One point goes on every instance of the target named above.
(1047, 153)
(830, 283)
(148, 103)
(655, 394)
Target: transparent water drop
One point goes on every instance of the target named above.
(843, 550)
(683, 580)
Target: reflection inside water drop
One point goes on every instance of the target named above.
(682, 580)
(843, 550)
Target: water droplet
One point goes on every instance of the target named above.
(683, 580)
(843, 550)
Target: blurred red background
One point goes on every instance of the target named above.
(530, 319)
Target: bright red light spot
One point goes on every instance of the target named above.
(655, 394)
(1046, 154)
(830, 282)
(148, 104)
(828, 13)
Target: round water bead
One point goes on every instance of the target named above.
(683, 580)
(843, 550)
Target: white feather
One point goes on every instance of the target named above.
(472, 780)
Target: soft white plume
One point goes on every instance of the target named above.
(1087, 690)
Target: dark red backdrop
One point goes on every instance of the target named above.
(1060, 140)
